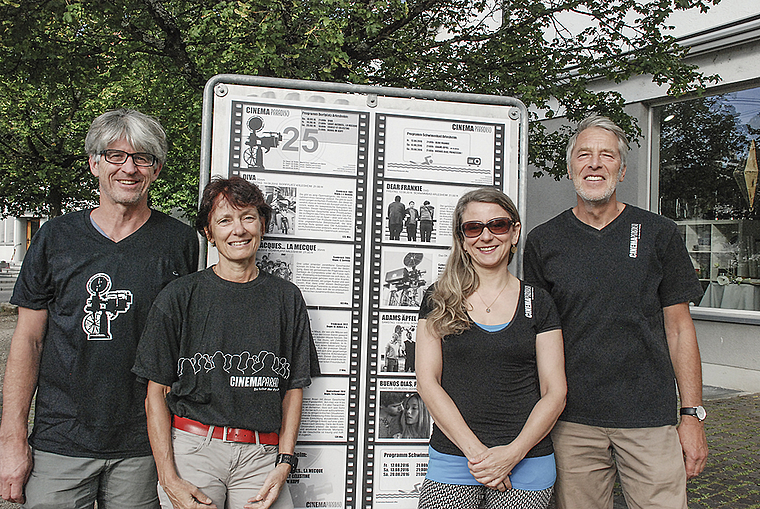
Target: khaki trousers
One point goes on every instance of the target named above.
(229, 473)
(649, 461)
(78, 483)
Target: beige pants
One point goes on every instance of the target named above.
(227, 472)
(77, 483)
(649, 461)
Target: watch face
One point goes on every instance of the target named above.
(697, 411)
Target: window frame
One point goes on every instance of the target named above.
(737, 316)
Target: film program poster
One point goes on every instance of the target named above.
(440, 150)
(296, 139)
(423, 167)
(402, 430)
(312, 165)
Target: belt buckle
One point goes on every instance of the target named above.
(225, 432)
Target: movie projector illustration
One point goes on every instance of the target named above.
(102, 306)
(406, 283)
(259, 143)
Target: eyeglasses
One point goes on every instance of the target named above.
(120, 157)
(497, 226)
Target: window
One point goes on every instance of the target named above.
(708, 184)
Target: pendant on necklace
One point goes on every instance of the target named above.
(488, 308)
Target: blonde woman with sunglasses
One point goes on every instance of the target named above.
(490, 368)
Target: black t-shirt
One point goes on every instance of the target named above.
(492, 376)
(610, 287)
(229, 351)
(97, 293)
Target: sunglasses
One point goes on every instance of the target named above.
(497, 226)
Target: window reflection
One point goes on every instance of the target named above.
(708, 185)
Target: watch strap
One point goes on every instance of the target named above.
(695, 411)
(290, 459)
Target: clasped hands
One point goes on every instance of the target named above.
(493, 466)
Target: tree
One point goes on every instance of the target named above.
(65, 61)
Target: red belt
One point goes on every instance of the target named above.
(226, 433)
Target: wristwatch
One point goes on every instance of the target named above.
(697, 411)
(290, 459)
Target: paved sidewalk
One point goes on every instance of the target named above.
(732, 476)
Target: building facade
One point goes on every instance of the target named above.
(15, 235)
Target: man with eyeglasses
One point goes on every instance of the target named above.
(84, 291)
(622, 281)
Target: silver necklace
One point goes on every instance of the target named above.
(488, 308)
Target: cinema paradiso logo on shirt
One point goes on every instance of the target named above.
(261, 372)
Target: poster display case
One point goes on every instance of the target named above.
(363, 182)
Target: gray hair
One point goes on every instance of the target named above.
(595, 120)
(142, 131)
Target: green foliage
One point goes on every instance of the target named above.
(63, 62)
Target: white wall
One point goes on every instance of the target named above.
(8, 238)
(727, 11)
(684, 23)
(722, 41)
(730, 355)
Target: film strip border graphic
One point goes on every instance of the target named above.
(236, 137)
(356, 311)
(372, 405)
(371, 459)
(499, 156)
